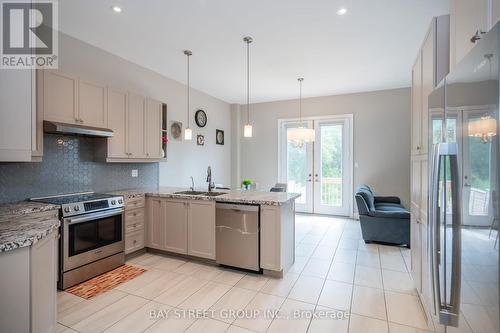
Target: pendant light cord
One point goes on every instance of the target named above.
(188, 90)
(248, 82)
(300, 100)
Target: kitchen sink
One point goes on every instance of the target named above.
(209, 194)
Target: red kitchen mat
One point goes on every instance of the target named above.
(106, 281)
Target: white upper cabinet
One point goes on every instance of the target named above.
(71, 100)
(416, 106)
(117, 120)
(136, 126)
(21, 132)
(92, 108)
(468, 21)
(153, 129)
(60, 97)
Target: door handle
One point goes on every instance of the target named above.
(310, 178)
(316, 178)
(447, 311)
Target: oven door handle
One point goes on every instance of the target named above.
(94, 216)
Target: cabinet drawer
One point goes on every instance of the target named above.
(135, 222)
(134, 241)
(134, 203)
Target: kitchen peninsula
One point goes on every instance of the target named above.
(176, 220)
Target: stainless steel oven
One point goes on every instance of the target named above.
(92, 235)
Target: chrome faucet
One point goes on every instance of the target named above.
(211, 185)
(192, 183)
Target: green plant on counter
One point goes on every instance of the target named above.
(246, 182)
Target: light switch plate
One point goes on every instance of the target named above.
(135, 173)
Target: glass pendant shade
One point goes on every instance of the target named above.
(188, 134)
(247, 131)
(484, 128)
(301, 135)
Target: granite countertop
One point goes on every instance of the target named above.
(15, 209)
(237, 196)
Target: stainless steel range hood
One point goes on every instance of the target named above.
(61, 128)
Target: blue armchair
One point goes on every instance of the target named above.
(382, 219)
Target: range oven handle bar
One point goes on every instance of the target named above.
(448, 312)
(94, 216)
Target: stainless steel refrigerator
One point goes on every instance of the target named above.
(464, 194)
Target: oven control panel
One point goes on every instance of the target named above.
(77, 208)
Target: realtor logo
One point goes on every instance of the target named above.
(29, 34)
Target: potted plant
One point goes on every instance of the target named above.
(246, 184)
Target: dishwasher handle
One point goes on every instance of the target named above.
(237, 207)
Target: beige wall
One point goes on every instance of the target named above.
(185, 158)
(381, 138)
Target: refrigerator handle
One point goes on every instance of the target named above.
(448, 312)
(434, 232)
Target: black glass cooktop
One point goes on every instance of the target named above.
(67, 199)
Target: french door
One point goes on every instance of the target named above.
(320, 171)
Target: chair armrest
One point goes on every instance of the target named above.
(390, 215)
(389, 199)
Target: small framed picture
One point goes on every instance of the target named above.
(200, 140)
(219, 137)
(176, 130)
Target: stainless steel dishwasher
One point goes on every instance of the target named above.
(237, 235)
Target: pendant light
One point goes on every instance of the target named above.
(188, 133)
(484, 128)
(300, 135)
(247, 129)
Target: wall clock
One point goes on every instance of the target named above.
(201, 118)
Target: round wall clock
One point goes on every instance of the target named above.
(201, 118)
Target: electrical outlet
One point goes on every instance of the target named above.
(135, 173)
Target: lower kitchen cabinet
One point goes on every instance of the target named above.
(277, 237)
(134, 224)
(180, 226)
(201, 229)
(28, 287)
(175, 226)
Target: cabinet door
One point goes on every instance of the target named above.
(416, 253)
(136, 117)
(15, 115)
(60, 97)
(201, 229)
(428, 71)
(270, 236)
(117, 122)
(416, 186)
(466, 18)
(175, 221)
(92, 106)
(416, 107)
(155, 224)
(44, 285)
(153, 129)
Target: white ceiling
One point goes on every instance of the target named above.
(372, 47)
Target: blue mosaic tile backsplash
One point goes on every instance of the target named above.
(69, 166)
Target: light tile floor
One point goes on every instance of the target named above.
(334, 271)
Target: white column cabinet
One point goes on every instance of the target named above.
(201, 229)
(416, 109)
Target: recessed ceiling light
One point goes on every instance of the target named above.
(342, 11)
(116, 9)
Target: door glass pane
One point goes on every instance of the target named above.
(331, 165)
(296, 157)
(477, 174)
